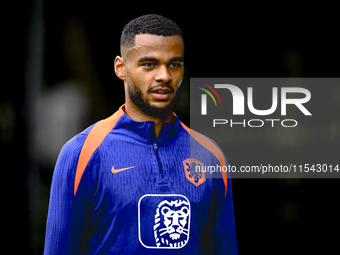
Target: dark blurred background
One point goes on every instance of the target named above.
(59, 79)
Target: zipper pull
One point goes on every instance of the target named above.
(155, 146)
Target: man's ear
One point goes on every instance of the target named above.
(120, 68)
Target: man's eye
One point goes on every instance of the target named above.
(148, 65)
(175, 65)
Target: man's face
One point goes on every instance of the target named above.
(154, 72)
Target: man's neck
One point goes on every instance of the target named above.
(137, 115)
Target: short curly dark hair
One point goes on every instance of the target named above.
(153, 24)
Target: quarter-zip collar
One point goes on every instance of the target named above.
(146, 128)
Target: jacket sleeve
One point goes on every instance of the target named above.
(221, 226)
(61, 198)
(224, 232)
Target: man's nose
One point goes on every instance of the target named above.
(163, 74)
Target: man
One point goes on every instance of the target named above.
(129, 184)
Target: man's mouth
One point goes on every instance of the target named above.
(161, 93)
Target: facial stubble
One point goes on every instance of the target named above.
(136, 96)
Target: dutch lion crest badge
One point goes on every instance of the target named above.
(193, 169)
